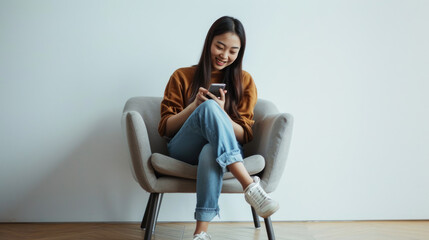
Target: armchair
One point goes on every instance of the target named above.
(157, 173)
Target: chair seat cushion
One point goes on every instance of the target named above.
(166, 165)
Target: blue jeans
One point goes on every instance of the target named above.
(207, 139)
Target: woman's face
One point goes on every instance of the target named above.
(224, 50)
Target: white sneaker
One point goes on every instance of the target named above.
(202, 236)
(259, 199)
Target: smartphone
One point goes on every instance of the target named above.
(214, 88)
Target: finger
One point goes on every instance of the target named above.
(201, 95)
(203, 90)
(222, 94)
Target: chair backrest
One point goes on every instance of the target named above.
(263, 109)
(149, 108)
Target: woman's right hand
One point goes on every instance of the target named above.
(200, 97)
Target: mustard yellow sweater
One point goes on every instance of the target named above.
(178, 92)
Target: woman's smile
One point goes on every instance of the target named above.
(220, 62)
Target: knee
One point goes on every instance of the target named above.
(207, 164)
(207, 152)
(207, 155)
(209, 106)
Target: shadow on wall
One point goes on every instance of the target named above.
(92, 183)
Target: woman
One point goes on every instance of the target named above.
(209, 131)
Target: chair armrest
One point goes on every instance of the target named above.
(272, 137)
(137, 139)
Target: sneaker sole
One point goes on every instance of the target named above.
(269, 213)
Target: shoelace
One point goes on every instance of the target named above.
(258, 197)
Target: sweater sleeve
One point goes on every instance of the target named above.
(173, 101)
(246, 106)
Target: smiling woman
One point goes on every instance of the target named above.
(210, 131)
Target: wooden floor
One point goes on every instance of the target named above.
(359, 230)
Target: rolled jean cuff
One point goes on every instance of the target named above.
(206, 214)
(229, 158)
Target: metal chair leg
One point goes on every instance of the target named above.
(151, 216)
(158, 207)
(269, 227)
(255, 218)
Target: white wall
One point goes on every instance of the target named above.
(354, 74)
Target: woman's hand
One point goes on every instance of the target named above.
(220, 100)
(200, 97)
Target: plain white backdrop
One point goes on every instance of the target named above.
(353, 73)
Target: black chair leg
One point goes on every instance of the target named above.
(151, 216)
(255, 218)
(269, 227)
(146, 212)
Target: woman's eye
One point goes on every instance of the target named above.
(233, 53)
(218, 47)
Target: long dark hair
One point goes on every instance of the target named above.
(232, 74)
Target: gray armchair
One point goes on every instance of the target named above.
(157, 173)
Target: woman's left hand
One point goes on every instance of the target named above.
(221, 99)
